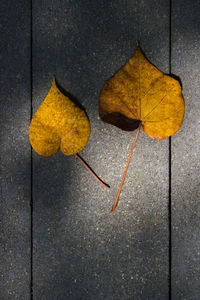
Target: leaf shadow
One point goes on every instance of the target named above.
(176, 77)
(71, 96)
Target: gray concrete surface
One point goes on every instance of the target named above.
(185, 154)
(15, 151)
(80, 250)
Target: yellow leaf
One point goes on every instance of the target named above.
(141, 94)
(58, 123)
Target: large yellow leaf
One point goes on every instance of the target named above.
(58, 123)
(141, 94)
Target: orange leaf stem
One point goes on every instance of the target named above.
(126, 168)
(91, 171)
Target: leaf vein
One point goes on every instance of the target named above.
(154, 107)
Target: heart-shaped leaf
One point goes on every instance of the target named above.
(59, 123)
(139, 95)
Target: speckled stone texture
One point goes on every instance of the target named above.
(81, 251)
(15, 151)
(185, 154)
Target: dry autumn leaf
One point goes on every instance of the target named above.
(139, 95)
(60, 123)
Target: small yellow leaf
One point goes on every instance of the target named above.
(141, 94)
(58, 123)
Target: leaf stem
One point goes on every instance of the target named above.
(91, 171)
(126, 168)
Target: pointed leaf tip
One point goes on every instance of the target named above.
(139, 91)
(58, 123)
